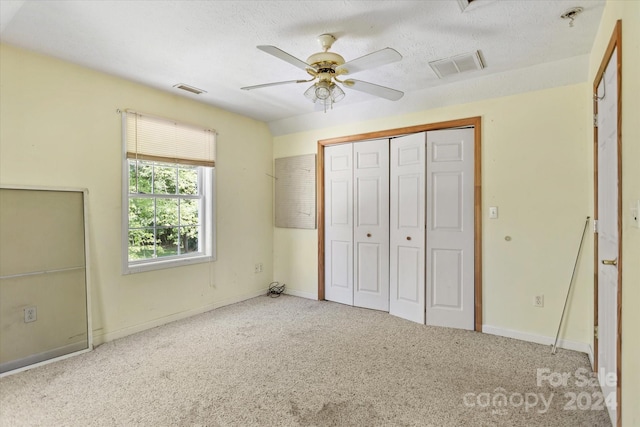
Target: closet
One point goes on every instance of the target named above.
(399, 226)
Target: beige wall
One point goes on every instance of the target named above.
(60, 128)
(629, 13)
(535, 156)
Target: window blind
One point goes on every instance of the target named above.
(157, 139)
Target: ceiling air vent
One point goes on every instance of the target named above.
(189, 88)
(457, 64)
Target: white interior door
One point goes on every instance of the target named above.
(371, 224)
(338, 184)
(407, 227)
(608, 233)
(450, 228)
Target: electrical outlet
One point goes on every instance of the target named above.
(538, 301)
(258, 268)
(30, 314)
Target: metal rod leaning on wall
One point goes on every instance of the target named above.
(575, 265)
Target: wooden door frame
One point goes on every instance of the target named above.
(614, 42)
(476, 122)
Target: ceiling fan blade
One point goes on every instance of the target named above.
(373, 89)
(281, 54)
(367, 62)
(273, 84)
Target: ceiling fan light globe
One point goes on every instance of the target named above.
(323, 90)
(310, 93)
(336, 93)
(323, 93)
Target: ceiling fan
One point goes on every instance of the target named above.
(326, 67)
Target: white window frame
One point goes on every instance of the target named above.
(207, 221)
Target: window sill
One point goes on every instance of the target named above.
(140, 267)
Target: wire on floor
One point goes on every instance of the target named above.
(275, 289)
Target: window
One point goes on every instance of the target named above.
(168, 193)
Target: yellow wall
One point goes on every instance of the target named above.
(60, 128)
(535, 156)
(629, 13)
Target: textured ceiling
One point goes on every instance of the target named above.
(212, 45)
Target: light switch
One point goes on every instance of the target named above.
(493, 212)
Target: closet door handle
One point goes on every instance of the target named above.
(368, 234)
(408, 237)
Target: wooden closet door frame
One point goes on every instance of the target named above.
(476, 122)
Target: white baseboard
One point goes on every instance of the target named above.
(301, 294)
(539, 339)
(121, 333)
(591, 357)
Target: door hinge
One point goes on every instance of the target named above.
(595, 332)
(595, 120)
(595, 225)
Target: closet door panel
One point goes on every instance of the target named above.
(408, 274)
(371, 224)
(407, 227)
(338, 186)
(450, 228)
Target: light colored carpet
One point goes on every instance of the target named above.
(290, 361)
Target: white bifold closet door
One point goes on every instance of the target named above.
(357, 224)
(399, 226)
(371, 224)
(338, 185)
(432, 228)
(407, 227)
(450, 228)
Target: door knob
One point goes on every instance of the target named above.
(368, 234)
(610, 261)
(408, 237)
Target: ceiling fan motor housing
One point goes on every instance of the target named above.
(325, 60)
